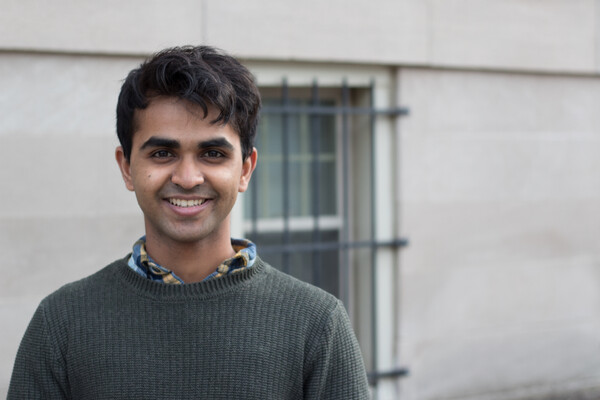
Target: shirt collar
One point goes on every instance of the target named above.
(141, 262)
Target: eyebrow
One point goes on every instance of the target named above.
(160, 142)
(217, 142)
(155, 141)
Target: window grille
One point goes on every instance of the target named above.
(299, 210)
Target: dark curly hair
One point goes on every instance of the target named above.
(203, 75)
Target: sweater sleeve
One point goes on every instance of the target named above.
(335, 366)
(39, 372)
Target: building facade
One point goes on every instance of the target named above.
(432, 163)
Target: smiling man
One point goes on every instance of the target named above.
(186, 171)
(191, 313)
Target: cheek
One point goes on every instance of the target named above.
(226, 184)
(221, 177)
(146, 181)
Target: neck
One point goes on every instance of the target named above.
(191, 261)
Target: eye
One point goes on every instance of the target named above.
(213, 154)
(161, 154)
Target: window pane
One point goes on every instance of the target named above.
(301, 183)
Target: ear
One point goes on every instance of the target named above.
(125, 167)
(247, 169)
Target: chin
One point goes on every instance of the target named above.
(187, 237)
(186, 233)
(195, 235)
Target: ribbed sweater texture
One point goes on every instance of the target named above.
(258, 334)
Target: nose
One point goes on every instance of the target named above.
(187, 173)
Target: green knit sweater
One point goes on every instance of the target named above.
(258, 334)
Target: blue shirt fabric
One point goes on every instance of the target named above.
(141, 262)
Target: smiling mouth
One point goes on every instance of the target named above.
(187, 203)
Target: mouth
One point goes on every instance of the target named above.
(186, 203)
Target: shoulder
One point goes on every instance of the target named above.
(317, 322)
(293, 290)
(99, 282)
(66, 307)
(296, 302)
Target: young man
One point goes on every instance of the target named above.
(190, 313)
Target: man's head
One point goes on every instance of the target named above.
(186, 119)
(201, 75)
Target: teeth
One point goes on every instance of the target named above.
(186, 203)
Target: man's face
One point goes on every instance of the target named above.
(185, 172)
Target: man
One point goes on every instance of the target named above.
(190, 313)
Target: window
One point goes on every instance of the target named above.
(312, 204)
(294, 194)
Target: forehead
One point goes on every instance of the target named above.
(179, 119)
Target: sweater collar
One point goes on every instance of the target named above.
(205, 289)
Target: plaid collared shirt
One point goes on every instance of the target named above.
(141, 262)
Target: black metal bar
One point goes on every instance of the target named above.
(329, 246)
(285, 100)
(392, 374)
(374, 332)
(315, 121)
(345, 236)
(333, 110)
